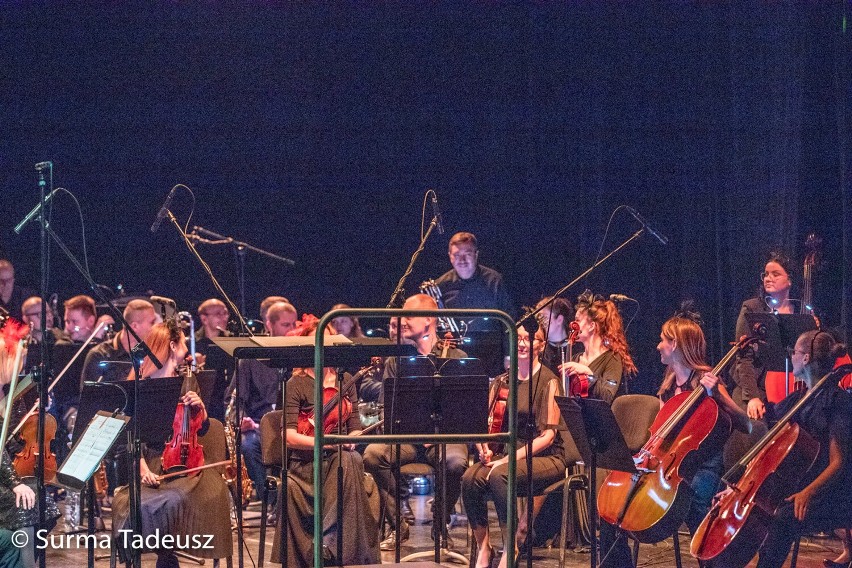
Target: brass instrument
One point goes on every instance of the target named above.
(458, 329)
(231, 469)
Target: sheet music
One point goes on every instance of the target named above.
(90, 449)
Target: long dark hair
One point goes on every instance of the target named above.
(610, 327)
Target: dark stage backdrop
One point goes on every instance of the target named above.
(312, 131)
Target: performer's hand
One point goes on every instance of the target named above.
(485, 454)
(247, 424)
(24, 496)
(756, 409)
(710, 382)
(199, 359)
(800, 501)
(148, 477)
(722, 494)
(192, 399)
(574, 368)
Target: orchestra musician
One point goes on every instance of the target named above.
(184, 506)
(360, 532)
(606, 359)
(379, 458)
(348, 326)
(80, 317)
(264, 307)
(554, 320)
(682, 349)
(31, 314)
(749, 373)
(257, 392)
(489, 477)
(823, 500)
(11, 294)
(213, 314)
(141, 317)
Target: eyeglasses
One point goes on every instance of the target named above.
(792, 350)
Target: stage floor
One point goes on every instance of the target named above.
(813, 550)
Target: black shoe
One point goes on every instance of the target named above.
(405, 512)
(390, 542)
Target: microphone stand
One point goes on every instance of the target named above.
(530, 433)
(585, 273)
(400, 287)
(240, 249)
(139, 352)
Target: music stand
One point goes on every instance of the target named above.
(458, 405)
(601, 444)
(781, 333)
(289, 353)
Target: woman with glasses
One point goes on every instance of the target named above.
(606, 359)
(749, 372)
(823, 500)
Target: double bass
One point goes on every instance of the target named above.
(651, 504)
(738, 523)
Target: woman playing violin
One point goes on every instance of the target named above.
(360, 531)
(823, 500)
(489, 477)
(186, 506)
(682, 349)
(606, 359)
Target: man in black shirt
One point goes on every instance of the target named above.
(11, 295)
(141, 317)
(257, 392)
(472, 285)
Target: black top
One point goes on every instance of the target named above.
(608, 372)
(485, 289)
(749, 373)
(257, 388)
(300, 400)
(16, 300)
(827, 415)
(111, 372)
(540, 384)
(437, 352)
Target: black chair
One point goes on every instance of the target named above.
(270, 455)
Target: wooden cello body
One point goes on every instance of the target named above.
(738, 523)
(652, 504)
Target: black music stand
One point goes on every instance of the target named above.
(289, 353)
(781, 333)
(458, 405)
(601, 444)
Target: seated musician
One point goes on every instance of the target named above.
(184, 506)
(360, 534)
(606, 359)
(141, 317)
(213, 314)
(489, 477)
(823, 500)
(749, 373)
(264, 308)
(683, 349)
(379, 459)
(553, 321)
(258, 392)
(31, 314)
(11, 294)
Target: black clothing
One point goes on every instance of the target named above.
(608, 373)
(113, 350)
(223, 364)
(359, 523)
(485, 289)
(480, 481)
(749, 373)
(827, 416)
(16, 301)
(257, 388)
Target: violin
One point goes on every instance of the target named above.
(578, 383)
(497, 410)
(738, 523)
(331, 416)
(183, 452)
(25, 460)
(652, 504)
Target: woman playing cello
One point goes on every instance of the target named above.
(187, 506)
(682, 349)
(823, 500)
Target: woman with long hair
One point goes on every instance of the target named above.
(185, 506)
(606, 359)
(682, 349)
(823, 499)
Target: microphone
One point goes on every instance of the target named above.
(163, 210)
(35, 211)
(163, 300)
(54, 304)
(43, 166)
(620, 298)
(654, 233)
(437, 214)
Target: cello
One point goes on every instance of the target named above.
(738, 523)
(651, 504)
